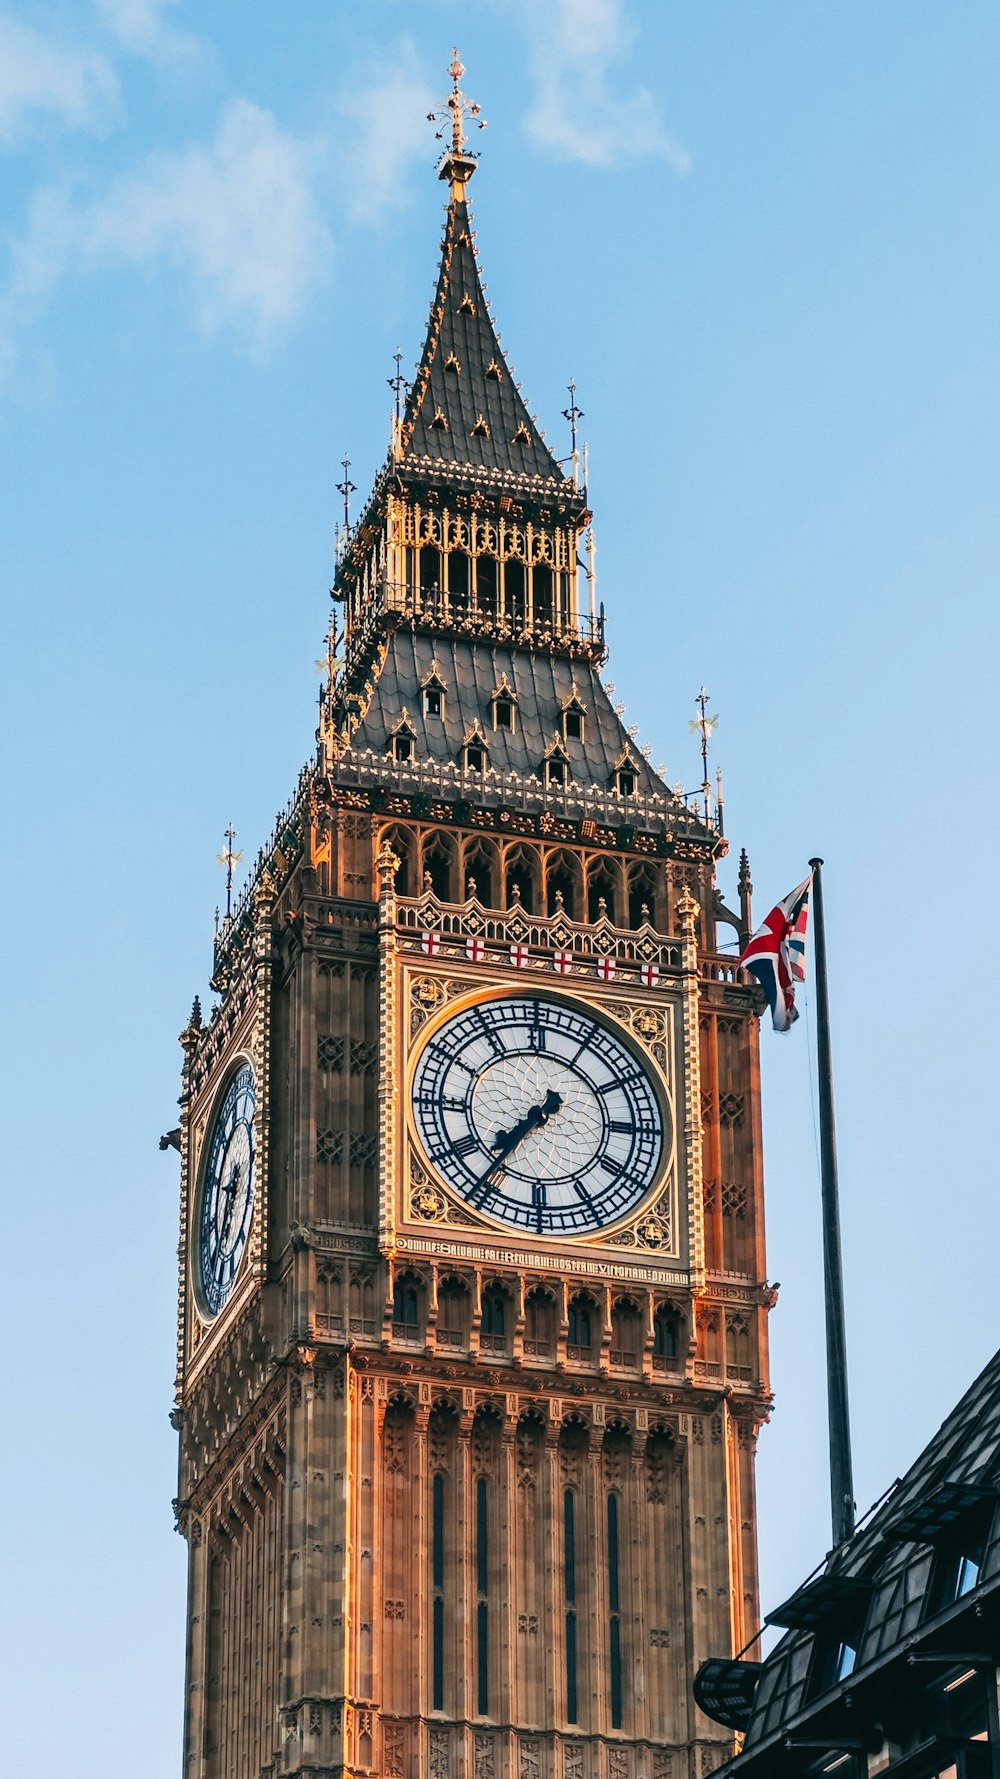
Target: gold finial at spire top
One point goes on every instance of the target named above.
(457, 164)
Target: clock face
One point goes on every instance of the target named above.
(227, 1192)
(538, 1114)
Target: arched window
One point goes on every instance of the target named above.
(458, 583)
(602, 887)
(513, 594)
(539, 1323)
(521, 877)
(666, 1338)
(642, 899)
(437, 866)
(561, 880)
(486, 586)
(452, 1316)
(480, 873)
(541, 594)
(406, 1307)
(626, 1333)
(430, 568)
(495, 1320)
(581, 1326)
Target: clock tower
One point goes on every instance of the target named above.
(471, 1344)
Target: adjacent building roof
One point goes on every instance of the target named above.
(881, 1594)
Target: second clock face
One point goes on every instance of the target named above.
(538, 1114)
(227, 1192)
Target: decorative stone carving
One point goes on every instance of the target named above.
(484, 1759)
(393, 1750)
(329, 1145)
(529, 1759)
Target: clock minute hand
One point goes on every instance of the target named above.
(230, 1190)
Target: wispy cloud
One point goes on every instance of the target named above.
(236, 216)
(39, 74)
(388, 112)
(579, 110)
(143, 28)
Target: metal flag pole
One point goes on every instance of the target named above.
(841, 1470)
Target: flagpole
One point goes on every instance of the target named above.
(841, 1471)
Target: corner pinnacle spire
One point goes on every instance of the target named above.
(457, 162)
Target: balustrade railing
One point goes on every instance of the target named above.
(518, 622)
(448, 781)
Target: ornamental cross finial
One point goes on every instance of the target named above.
(347, 488)
(572, 414)
(398, 384)
(456, 107)
(229, 859)
(703, 725)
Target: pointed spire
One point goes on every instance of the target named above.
(464, 407)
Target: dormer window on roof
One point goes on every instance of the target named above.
(475, 753)
(451, 364)
(481, 427)
(504, 708)
(573, 719)
(433, 694)
(467, 306)
(401, 740)
(556, 764)
(440, 420)
(522, 435)
(626, 781)
(494, 372)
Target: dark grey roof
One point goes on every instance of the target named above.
(471, 672)
(898, 1602)
(464, 380)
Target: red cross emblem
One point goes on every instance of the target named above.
(475, 950)
(606, 968)
(563, 962)
(649, 975)
(431, 943)
(519, 956)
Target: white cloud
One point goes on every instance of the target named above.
(390, 115)
(574, 113)
(237, 216)
(38, 74)
(141, 27)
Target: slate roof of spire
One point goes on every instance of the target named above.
(464, 407)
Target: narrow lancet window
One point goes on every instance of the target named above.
(482, 1608)
(437, 1585)
(569, 1595)
(614, 1609)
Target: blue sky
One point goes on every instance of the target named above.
(762, 238)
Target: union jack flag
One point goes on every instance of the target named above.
(776, 954)
(430, 942)
(649, 975)
(606, 968)
(563, 962)
(475, 950)
(519, 956)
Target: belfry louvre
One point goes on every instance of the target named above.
(472, 1351)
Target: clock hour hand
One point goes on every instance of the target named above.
(506, 1141)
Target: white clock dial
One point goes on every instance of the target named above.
(227, 1193)
(538, 1114)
